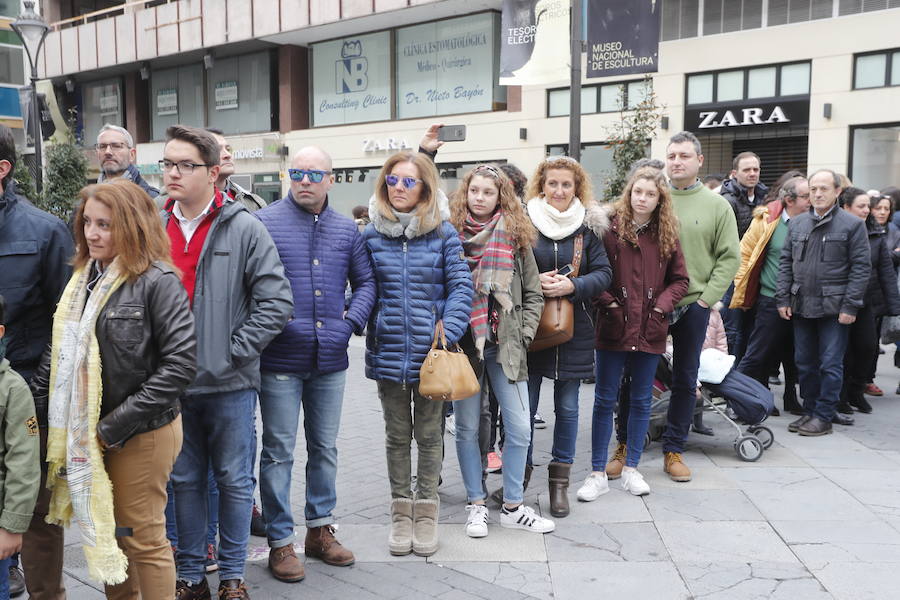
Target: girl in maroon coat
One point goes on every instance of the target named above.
(649, 278)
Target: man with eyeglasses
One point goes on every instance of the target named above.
(116, 154)
(306, 365)
(241, 300)
(756, 281)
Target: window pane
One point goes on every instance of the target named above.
(637, 93)
(876, 157)
(822, 9)
(730, 86)
(558, 103)
(12, 69)
(849, 7)
(798, 11)
(874, 5)
(671, 20)
(690, 16)
(712, 17)
(761, 83)
(777, 12)
(731, 16)
(700, 89)
(795, 79)
(752, 18)
(870, 71)
(895, 69)
(238, 94)
(610, 98)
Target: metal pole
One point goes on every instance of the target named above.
(575, 85)
(36, 134)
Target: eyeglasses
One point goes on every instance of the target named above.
(314, 176)
(408, 182)
(184, 167)
(115, 146)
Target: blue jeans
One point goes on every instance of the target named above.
(609, 368)
(280, 399)
(688, 334)
(565, 406)
(212, 509)
(737, 326)
(819, 346)
(218, 428)
(514, 406)
(4, 577)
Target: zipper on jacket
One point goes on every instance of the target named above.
(556, 266)
(625, 302)
(406, 314)
(555, 255)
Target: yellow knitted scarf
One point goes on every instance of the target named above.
(77, 475)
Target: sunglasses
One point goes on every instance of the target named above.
(408, 182)
(314, 176)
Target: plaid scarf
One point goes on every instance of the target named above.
(491, 257)
(77, 477)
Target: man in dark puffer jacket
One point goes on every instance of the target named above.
(307, 363)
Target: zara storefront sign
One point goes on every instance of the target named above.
(385, 145)
(792, 112)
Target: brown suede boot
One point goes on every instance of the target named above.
(400, 538)
(284, 564)
(617, 463)
(677, 470)
(559, 488)
(321, 543)
(425, 519)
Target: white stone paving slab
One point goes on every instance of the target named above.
(611, 542)
(530, 578)
(723, 580)
(860, 581)
(683, 504)
(501, 544)
(818, 543)
(588, 580)
(733, 541)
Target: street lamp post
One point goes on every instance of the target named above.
(32, 30)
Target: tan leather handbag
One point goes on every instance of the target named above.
(557, 325)
(446, 375)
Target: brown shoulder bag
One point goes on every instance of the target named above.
(557, 324)
(446, 374)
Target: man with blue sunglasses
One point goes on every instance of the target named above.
(306, 365)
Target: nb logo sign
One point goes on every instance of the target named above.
(350, 70)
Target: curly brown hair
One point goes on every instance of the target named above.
(584, 189)
(663, 222)
(518, 225)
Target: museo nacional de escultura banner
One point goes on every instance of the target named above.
(622, 37)
(534, 42)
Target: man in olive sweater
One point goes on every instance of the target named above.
(709, 239)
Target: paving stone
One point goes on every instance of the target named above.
(512, 545)
(611, 542)
(859, 581)
(678, 504)
(725, 580)
(529, 578)
(730, 541)
(577, 581)
(615, 507)
(818, 543)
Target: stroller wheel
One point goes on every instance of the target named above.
(647, 440)
(748, 448)
(764, 434)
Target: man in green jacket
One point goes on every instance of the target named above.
(20, 471)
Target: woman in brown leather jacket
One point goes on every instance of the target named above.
(122, 352)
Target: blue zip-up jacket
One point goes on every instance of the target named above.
(320, 253)
(422, 277)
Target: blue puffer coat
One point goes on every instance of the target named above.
(422, 278)
(320, 253)
(575, 358)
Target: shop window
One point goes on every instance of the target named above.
(597, 160)
(875, 155)
(637, 93)
(679, 19)
(239, 93)
(102, 103)
(730, 86)
(876, 70)
(797, 11)
(795, 79)
(851, 7)
(721, 16)
(700, 89)
(611, 98)
(176, 96)
(12, 65)
(761, 82)
(9, 8)
(558, 101)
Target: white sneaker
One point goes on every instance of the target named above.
(539, 422)
(633, 481)
(594, 486)
(525, 518)
(476, 524)
(450, 424)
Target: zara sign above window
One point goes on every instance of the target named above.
(764, 114)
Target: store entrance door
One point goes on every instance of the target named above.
(267, 186)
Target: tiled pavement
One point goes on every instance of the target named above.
(813, 518)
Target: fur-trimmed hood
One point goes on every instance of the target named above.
(597, 218)
(394, 229)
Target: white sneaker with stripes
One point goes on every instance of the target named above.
(525, 518)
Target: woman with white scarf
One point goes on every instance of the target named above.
(121, 353)
(570, 227)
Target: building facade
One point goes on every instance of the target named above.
(805, 84)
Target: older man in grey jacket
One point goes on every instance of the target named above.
(823, 273)
(241, 300)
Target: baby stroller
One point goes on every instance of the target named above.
(748, 400)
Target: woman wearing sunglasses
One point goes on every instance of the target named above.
(570, 227)
(422, 278)
(497, 237)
